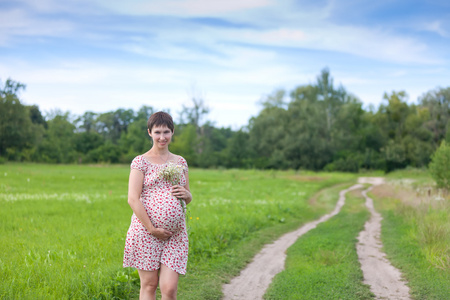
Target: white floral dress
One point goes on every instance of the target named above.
(143, 250)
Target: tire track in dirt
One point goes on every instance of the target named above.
(384, 279)
(254, 280)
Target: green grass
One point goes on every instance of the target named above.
(415, 177)
(63, 227)
(323, 263)
(416, 235)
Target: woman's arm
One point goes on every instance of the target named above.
(134, 193)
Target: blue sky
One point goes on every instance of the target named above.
(101, 55)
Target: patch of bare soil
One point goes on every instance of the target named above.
(385, 280)
(254, 280)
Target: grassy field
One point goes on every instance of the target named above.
(416, 232)
(63, 227)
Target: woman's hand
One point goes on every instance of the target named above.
(181, 193)
(161, 233)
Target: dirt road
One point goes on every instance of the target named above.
(385, 280)
(254, 280)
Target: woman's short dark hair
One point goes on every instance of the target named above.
(160, 118)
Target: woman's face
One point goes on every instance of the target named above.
(161, 135)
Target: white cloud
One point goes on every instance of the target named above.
(436, 27)
(69, 7)
(295, 28)
(70, 72)
(351, 80)
(183, 7)
(364, 42)
(282, 36)
(18, 23)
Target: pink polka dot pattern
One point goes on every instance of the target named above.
(144, 251)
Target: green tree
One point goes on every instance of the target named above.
(331, 98)
(214, 141)
(437, 103)
(184, 142)
(11, 87)
(17, 131)
(136, 139)
(86, 122)
(418, 141)
(58, 144)
(308, 137)
(238, 154)
(408, 141)
(112, 124)
(107, 152)
(268, 130)
(36, 116)
(440, 166)
(193, 116)
(391, 119)
(85, 142)
(144, 113)
(325, 122)
(372, 140)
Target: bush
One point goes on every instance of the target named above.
(350, 163)
(440, 166)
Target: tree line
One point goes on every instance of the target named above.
(317, 126)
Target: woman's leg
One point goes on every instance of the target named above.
(168, 283)
(149, 283)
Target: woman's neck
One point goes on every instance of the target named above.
(159, 152)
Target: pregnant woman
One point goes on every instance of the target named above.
(158, 191)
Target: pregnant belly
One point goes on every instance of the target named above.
(168, 214)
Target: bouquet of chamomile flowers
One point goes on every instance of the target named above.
(172, 173)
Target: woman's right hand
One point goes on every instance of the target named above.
(161, 233)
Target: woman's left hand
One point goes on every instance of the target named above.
(180, 192)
